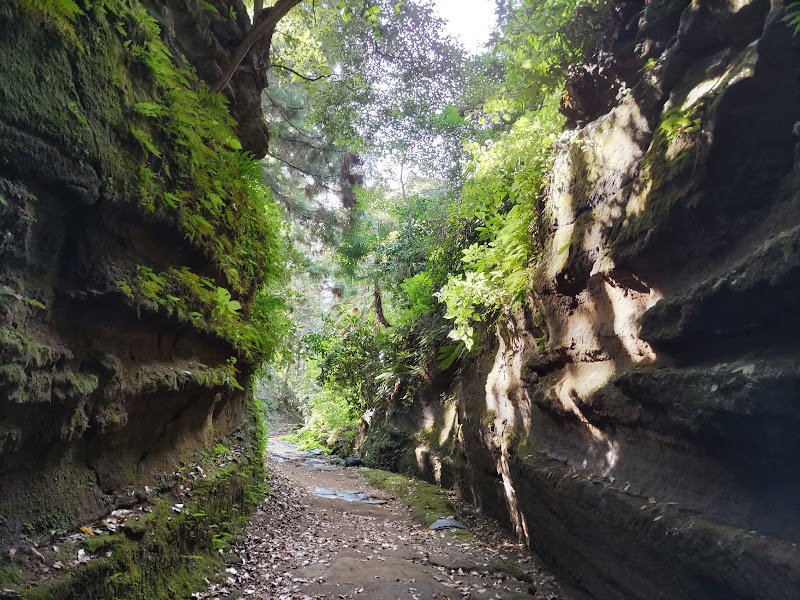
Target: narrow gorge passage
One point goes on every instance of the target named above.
(533, 261)
(302, 546)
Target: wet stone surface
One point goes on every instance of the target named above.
(347, 496)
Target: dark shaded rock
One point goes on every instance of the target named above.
(592, 89)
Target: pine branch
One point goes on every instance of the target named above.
(266, 26)
(287, 119)
(317, 179)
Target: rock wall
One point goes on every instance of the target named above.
(638, 423)
(100, 394)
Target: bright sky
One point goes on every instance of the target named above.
(469, 21)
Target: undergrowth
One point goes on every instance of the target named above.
(169, 553)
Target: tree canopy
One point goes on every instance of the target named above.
(412, 174)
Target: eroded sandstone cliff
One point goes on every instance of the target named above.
(104, 389)
(638, 422)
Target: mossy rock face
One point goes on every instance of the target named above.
(77, 97)
(102, 393)
(12, 377)
(167, 553)
(427, 502)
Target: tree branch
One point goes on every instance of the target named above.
(264, 27)
(377, 302)
(314, 176)
(286, 118)
(317, 78)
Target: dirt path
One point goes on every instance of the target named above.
(302, 546)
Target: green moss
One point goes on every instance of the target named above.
(10, 344)
(100, 104)
(79, 385)
(427, 502)
(665, 178)
(39, 387)
(12, 377)
(10, 575)
(83, 582)
(72, 385)
(489, 418)
(101, 543)
(169, 554)
(78, 424)
(111, 417)
(39, 355)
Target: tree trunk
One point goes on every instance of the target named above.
(258, 6)
(378, 302)
(263, 26)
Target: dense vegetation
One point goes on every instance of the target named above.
(412, 174)
(405, 173)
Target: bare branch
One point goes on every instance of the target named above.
(317, 78)
(264, 27)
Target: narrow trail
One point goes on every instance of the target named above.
(302, 546)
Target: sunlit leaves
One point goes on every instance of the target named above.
(505, 179)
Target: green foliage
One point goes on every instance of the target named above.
(215, 190)
(505, 181)
(330, 417)
(192, 175)
(678, 121)
(363, 61)
(418, 292)
(62, 13)
(198, 300)
(348, 358)
(468, 298)
(383, 93)
(793, 15)
(537, 41)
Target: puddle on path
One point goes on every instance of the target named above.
(282, 452)
(347, 495)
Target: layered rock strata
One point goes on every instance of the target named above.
(638, 424)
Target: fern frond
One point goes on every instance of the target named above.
(793, 15)
(62, 13)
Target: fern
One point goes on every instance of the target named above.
(194, 174)
(62, 13)
(793, 15)
(145, 141)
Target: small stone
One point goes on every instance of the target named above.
(36, 554)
